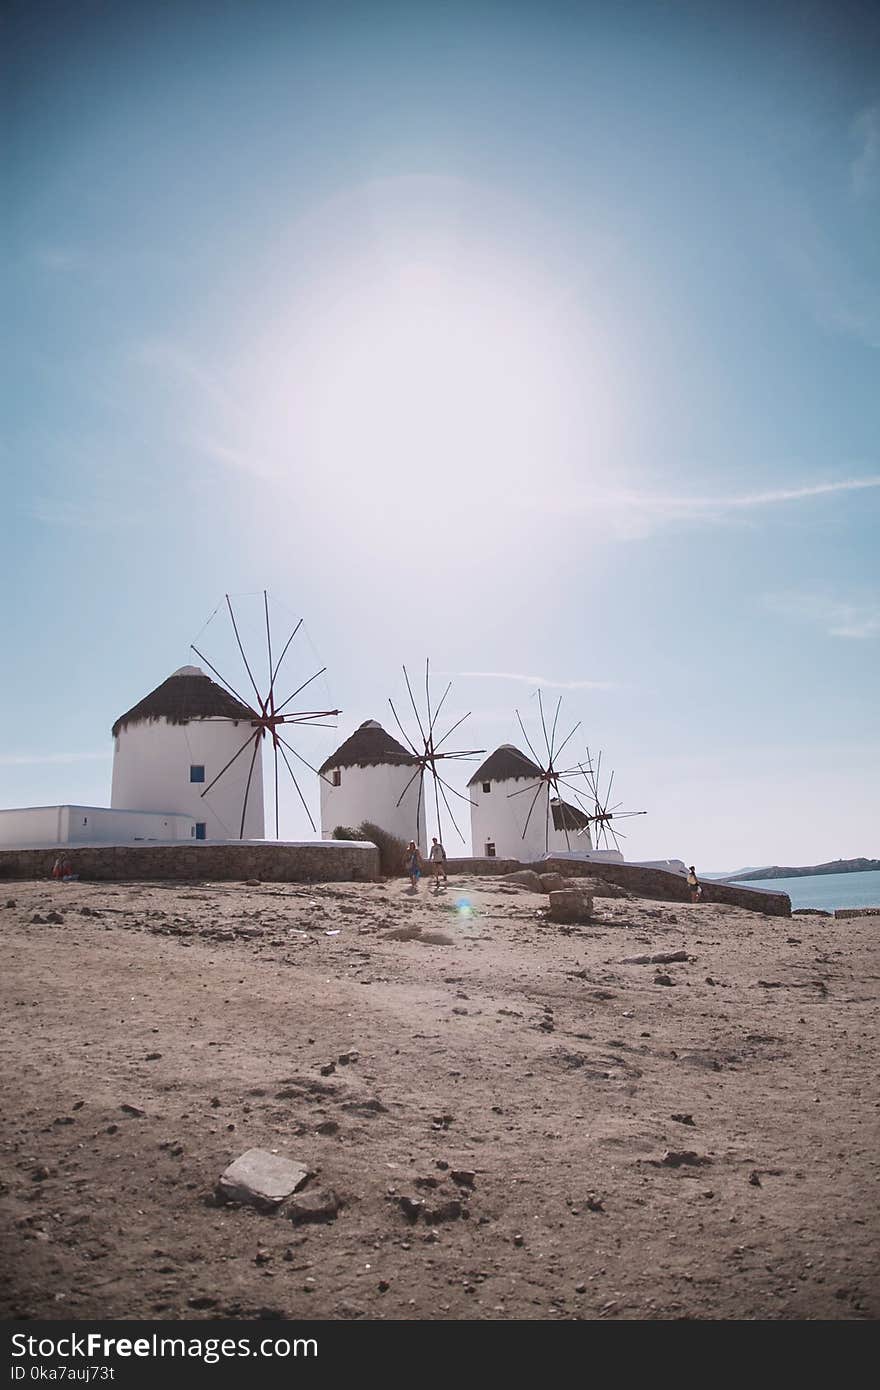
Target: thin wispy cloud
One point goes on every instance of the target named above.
(210, 397)
(865, 168)
(239, 460)
(838, 618)
(675, 508)
(633, 515)
(544, 681)
(49, 759)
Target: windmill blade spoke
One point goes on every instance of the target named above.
(608, 789)
(569, 785)
(590, 779)
(298, 788)
(544, 727)
(284, 652)
(270, 698)
(528, 740)
(262, 702)
(403, 730)
(440, 706)
(531, 809)
(428, 694)
(312, 723)
(437, 790)
(419, 804)
(256, 749)
(451, 816)
(252, 738)
(414, 705)
(452, 731)
(449, 788)
(553, 730)
(567, 737)
(409, 784)
(301, 687)
(290, 748)
(225, 682)
(511, 795)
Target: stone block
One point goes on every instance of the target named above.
(569, 905)
(526, 878)
(260, 1179)
(552, 883)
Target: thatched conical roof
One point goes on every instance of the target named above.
(369, 746)
(567, 817)
(505, 765)
(187, 694)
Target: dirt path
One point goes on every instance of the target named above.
(565, 1082)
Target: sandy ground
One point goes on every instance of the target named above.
(560, 1086)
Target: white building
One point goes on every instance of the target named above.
(515, 816)
(36, 827)
(169, 748)
(365, 779)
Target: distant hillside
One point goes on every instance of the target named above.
(837, 866)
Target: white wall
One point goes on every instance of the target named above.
(500, 819)
(39, 827)
(371, 793)
(151, 772)
(33, 827)
(88, 825)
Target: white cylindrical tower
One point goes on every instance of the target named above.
(510, 807)
(365, 779)
(171, 745)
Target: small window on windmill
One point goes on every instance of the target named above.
(197, 772)
(487, 786)
(85, 820)
(490, 849)
(336, 777)
(201, 828)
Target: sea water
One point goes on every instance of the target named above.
(826, 891)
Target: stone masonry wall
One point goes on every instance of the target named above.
(670, 887)
(333, 861)
(324, 862)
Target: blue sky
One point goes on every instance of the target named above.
(544, 339)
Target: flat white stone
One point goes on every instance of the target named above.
(261, 1179)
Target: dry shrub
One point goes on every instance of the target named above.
(391, 848)
(347, 832)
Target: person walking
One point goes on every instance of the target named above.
(438, 861)
(694, 885)
(412, 862)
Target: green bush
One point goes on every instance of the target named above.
(391, 849)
